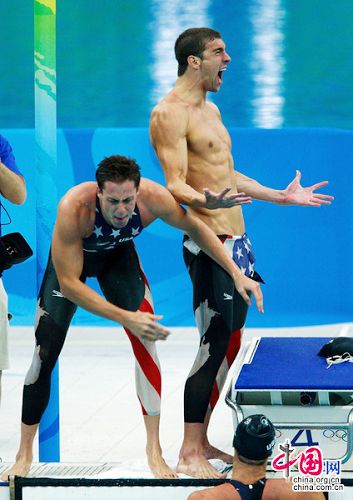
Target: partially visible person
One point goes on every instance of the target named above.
(253, 444)
(13, 188)
(93, 236)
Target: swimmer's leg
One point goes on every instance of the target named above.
(214, 320)
(125, 285)
(240, 309)
(212, 452)
(53, 317)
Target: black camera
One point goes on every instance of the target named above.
(14, 249)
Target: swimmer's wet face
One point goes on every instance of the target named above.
(117, 202)
(213, 62)
(118, 180)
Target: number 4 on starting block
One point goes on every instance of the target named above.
(309, 439)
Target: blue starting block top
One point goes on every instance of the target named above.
(292, 363)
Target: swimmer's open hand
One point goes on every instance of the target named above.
(295, 194)
(224, 200)
(145, 326)
(243, 284)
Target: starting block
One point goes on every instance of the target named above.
(308, 403)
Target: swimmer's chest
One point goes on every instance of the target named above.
(207, 134)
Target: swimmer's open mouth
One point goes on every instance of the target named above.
(220, 73)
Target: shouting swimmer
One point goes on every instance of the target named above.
(194, 149)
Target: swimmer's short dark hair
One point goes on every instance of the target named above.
(192, 42)
(248, 461)
(117, 169)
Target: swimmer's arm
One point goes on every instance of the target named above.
(253, 188)
(67, 254)
(202, 235)
(164, 206)
(293, 194)
(168, 129)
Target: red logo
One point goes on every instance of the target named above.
(310, 460)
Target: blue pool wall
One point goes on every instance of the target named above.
(303, 254)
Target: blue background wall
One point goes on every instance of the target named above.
(303, 254)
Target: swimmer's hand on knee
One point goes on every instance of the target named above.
(223, 200)
(243, 284)
(144, 325)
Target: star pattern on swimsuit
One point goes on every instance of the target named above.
(115, 233)
(246, 245)
(239, 252)
(97, 231)
(135, 231)
(251, 268)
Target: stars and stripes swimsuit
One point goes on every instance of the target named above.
(111, 257)
(220, 314)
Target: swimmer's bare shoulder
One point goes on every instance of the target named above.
(153, 198)
(83, 194)
(76, 209)
(169, 121)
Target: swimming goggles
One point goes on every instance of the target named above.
(339, 358)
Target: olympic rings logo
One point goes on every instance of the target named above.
(336, 435)
(333, 435)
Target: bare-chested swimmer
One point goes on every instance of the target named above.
(194, 149)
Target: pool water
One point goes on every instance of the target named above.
(291, 61)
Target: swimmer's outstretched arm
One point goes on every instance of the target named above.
(293, 194)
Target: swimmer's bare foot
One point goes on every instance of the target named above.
(196, 465)
(20, 468)
(24, 455)
(210, 452)
(159, 468)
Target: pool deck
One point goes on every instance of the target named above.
(99, 412)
